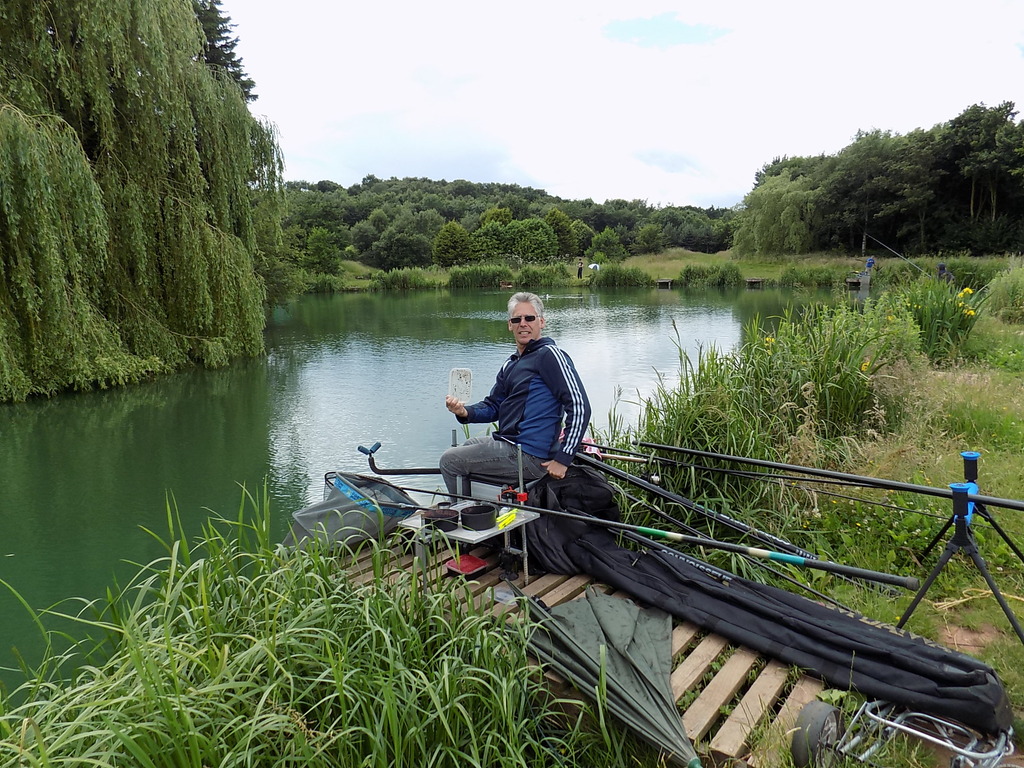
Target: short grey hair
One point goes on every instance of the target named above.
(526, 297)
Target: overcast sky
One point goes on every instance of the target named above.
(672, 102)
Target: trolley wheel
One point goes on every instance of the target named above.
(819, 727)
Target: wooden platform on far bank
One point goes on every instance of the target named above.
(737, 706)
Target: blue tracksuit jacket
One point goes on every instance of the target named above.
(531, 394)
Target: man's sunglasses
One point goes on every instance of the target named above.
(519, 318)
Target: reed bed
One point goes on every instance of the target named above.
(534, 276)
(612, 275)
(1006, 294)
(944, 315)
(817, 276)
(719, 275)
(240, 654)
(479, 276)
(792, 393)
(406, 279)
(827, 387)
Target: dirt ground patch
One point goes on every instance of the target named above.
(968, 641)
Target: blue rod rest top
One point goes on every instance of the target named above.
(960, 491)
(970, 465)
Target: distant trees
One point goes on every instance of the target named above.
(491, 240)
(989, 151)
(650, 239)
(466, 221)
(532, 240)
(500, 216)
(778, 217)
(397, 249)
(322, 253)
(956, 186)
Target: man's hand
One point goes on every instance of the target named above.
(456, 406)
(554, 468)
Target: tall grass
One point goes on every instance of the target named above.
(711, 275)
(793, 394)
(812, 276)
(406, 279)
(612, 275)
(319, 282)
(237, 654)
(944, 315)
(1006, 294)
(534, 276)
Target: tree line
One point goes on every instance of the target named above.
(415, 222)
(956, 187)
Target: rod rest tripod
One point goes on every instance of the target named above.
(963, 541)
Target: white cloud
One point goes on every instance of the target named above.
(588, 99)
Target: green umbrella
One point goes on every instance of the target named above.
(606, 641)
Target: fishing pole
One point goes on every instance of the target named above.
(867, 482)
(908, 582)
(736, 525)
(892, 251)
(693, 531)
(730, 522)
(744, 473)
(794, 480)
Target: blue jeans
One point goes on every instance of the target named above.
(487, 458)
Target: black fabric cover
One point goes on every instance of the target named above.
(845, 649)
(583, 491)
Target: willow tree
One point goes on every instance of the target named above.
(128, 176)
(777, 217)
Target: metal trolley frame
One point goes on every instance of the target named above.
(820, 738)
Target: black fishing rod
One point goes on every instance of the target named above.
(693, 531)
(730, 522)
(867, 482)
(907, 582)
(664, 461)
(736, 525)
(799, 481)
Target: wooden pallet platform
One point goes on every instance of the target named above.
(737, 706)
